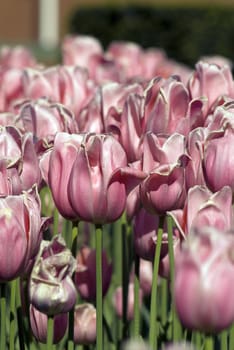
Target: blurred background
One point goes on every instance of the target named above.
(186, 30)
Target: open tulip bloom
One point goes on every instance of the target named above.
(116, 200)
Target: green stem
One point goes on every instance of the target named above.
(231, 337)
(224, 343)
(12, 315)
(73, 247)
(209, 343)
(153, 303)
(50, 332)
(99, 301)
(124, 282)
(164, 299)
(176, 327)
(136, 320)
(3, 316)
(19, 312)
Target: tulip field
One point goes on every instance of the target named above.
(116, 200)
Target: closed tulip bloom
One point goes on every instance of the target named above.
(21, 226)
(39, 325)
(51, 289)
(218, 163)
(204, 279)
(84, 324)
(57, 166)
(204, 208)
(90, 195)
(85, 276)
(211, 81)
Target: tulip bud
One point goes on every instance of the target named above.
(39, 323)
(51, 288)
(85, 324)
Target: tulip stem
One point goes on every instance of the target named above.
(50, 332)
(209, 343)
(3, 316)
(231, 337)
(176, 328)
(19, 316)
(73, 247)
(124, 282)
(99, 301)
(153, 303)
(12, 315)
(136, 320)
(223, 338)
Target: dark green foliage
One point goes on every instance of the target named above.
(185, 34)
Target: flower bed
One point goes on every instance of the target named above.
(116, 199)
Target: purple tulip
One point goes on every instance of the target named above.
(39, 325)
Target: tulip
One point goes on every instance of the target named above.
(77, 50)
(145, 276)
(173, 111)
(90, 195)
(39, 325)
(145, 231)
(118, 301)
(193, 171)
(44, 119)
(21, 233)
(204, 208)
(211, 81)
(85, 276)
(218, 162)
(51, 289)
(164, 186)
(84, 324)
(204, 278)
(16, 57)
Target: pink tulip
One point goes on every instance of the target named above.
(85, 276)
(84, 324)
(39, 325)
(204, 278)
(21, 225)
(16, 57)
(205, 208)
(158, 181)
(96, 159)
(217, 157)
(57, 166)
(211, 81)
(128, 56)
(145, 276)
(45, 119)
(51, 289)
(118, 301)
(173, 111)
(193, 171)
(164, 186)
(77, 50)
